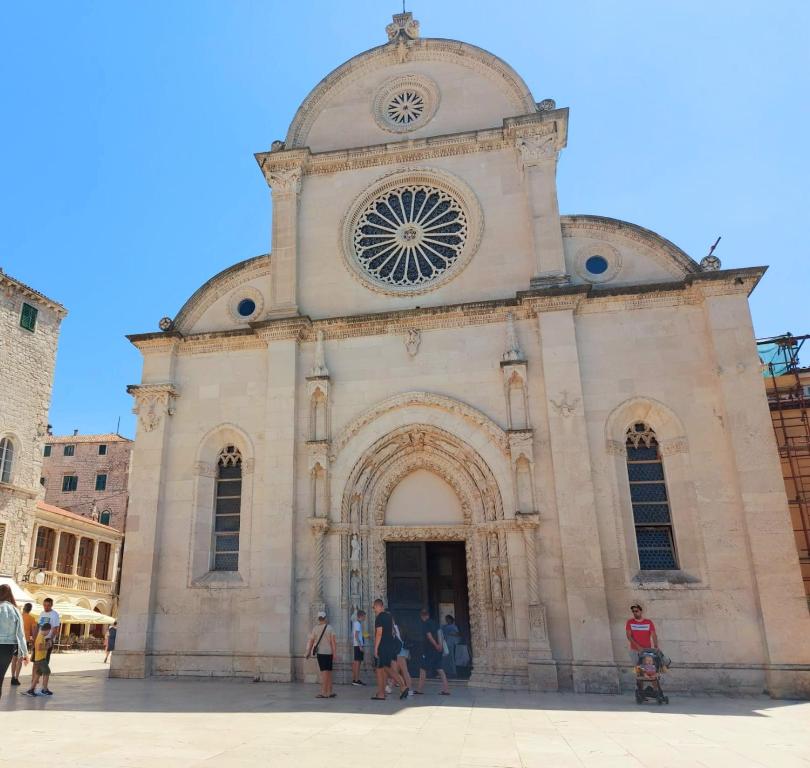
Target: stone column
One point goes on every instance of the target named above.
(764, 514)
(286, 186)
(538, 156)
(95, 559)
(57, 540)
(542, 667)
(320, 526)
(154, 404)
(78, 540)
(274, 558)
(594, 667)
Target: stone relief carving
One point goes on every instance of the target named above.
(404, 25)
(319, 368)
(513, 350)
(412, 341)
(152, 402)
(564, 407)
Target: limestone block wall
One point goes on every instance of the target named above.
(26, 380)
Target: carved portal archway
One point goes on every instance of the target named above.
(485, 530)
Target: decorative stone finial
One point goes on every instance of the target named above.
(710, 264)
(319, 366)
(404, 25)
(513, 351)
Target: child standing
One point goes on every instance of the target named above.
(41, 672)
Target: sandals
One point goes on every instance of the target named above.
(321, 696)
(444, 693)
(378, 698)
(404, 694)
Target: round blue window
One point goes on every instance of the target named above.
(246, 307)
(596, 265)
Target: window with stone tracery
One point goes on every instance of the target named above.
(227, 510)
(648, 494)
(410, 235)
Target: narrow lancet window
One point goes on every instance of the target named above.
(648, 494)
(227, 510)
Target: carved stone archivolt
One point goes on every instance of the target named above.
(485, 532)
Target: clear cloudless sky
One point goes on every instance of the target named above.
(128, 130)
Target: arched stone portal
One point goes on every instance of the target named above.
(499, 630)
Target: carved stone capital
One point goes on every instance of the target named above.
(152, 402)
(536, 149)
(527, 521)
(319, 525)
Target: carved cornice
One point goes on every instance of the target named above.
(581, 299)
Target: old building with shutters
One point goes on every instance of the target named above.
(438, 390)
(29, 334)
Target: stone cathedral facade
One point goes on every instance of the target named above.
(438, 390)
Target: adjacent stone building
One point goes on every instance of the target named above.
(439, 391)
(29, 333)
(88, 475)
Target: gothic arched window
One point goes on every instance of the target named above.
(6, 459)
(648, 494)
(227, 510)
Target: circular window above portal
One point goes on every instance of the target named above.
(406, 103)
(412, 232)
(598, 263)
(245, 304)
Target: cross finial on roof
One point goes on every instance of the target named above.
(403, 25)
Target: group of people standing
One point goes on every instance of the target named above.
(391, 654)
(22, 637)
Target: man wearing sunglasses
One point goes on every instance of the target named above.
(640, 632)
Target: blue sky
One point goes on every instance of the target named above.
(129, 129)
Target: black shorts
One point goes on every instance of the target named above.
(325, 662)
(358, 653)
(430, 661)
(386, 656)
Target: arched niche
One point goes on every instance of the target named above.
(423, 498)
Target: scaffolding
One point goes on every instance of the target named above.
(787, 384)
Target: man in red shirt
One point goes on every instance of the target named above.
(640, 632)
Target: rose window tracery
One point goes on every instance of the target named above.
(410, 235)
(405, 108)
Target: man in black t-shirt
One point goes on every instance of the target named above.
(386, 648)
(432, 649)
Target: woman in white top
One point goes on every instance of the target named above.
(12, 637)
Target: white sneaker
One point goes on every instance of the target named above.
(388, 689)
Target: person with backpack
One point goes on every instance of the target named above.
(322, 644)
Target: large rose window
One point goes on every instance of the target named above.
(410, 235)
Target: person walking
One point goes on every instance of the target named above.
(41, 672)
(386, 649)
(29, 623)
(452, 636)
(109, 642)
(358, 646)
(402, 660)
(322, 644)
(12, 636)
(51, 617)
(431, 660)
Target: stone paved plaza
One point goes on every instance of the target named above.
(95, 721)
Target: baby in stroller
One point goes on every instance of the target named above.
(648, 670)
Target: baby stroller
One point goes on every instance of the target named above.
(651, 665)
